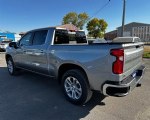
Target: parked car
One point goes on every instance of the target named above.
(114, 69)
(4, 43)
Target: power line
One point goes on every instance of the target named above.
(99, 10)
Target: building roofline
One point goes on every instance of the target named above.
(144, 24)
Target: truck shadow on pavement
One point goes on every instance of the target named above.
(29, 96)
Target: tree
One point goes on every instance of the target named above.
(82, 18)
(76, 19)
(96, 27)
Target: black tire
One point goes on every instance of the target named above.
(78, 93)
(11, 66)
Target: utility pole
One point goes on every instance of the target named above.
(123, 17)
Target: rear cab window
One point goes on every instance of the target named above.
(69, 37)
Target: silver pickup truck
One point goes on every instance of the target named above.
(113, 68)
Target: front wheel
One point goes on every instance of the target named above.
(75, 87)
(11, 66)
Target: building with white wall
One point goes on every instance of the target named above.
(142, 32)
(17, 37)
(134, 29)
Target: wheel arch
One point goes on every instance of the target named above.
(69, 66)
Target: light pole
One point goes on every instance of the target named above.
(123, 17)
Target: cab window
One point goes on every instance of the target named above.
(26, 40)
(39, 37)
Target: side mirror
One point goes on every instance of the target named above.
(13, 44)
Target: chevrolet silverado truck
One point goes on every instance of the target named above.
(114, 69)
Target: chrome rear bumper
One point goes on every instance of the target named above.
(124, 87)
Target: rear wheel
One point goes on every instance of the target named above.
(11, 67)
(75, 87)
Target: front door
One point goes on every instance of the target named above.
(20, 57)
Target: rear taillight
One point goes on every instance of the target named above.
(117, 67)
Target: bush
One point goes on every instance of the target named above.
(146, 55)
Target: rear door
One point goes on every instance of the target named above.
(37, 52)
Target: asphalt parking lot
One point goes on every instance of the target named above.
(30, 96)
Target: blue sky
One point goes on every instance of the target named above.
(24, 15)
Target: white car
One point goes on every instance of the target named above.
(4, 44)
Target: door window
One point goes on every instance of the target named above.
(26, 40)
(39, 37)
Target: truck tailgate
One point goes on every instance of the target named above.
(132, 56)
